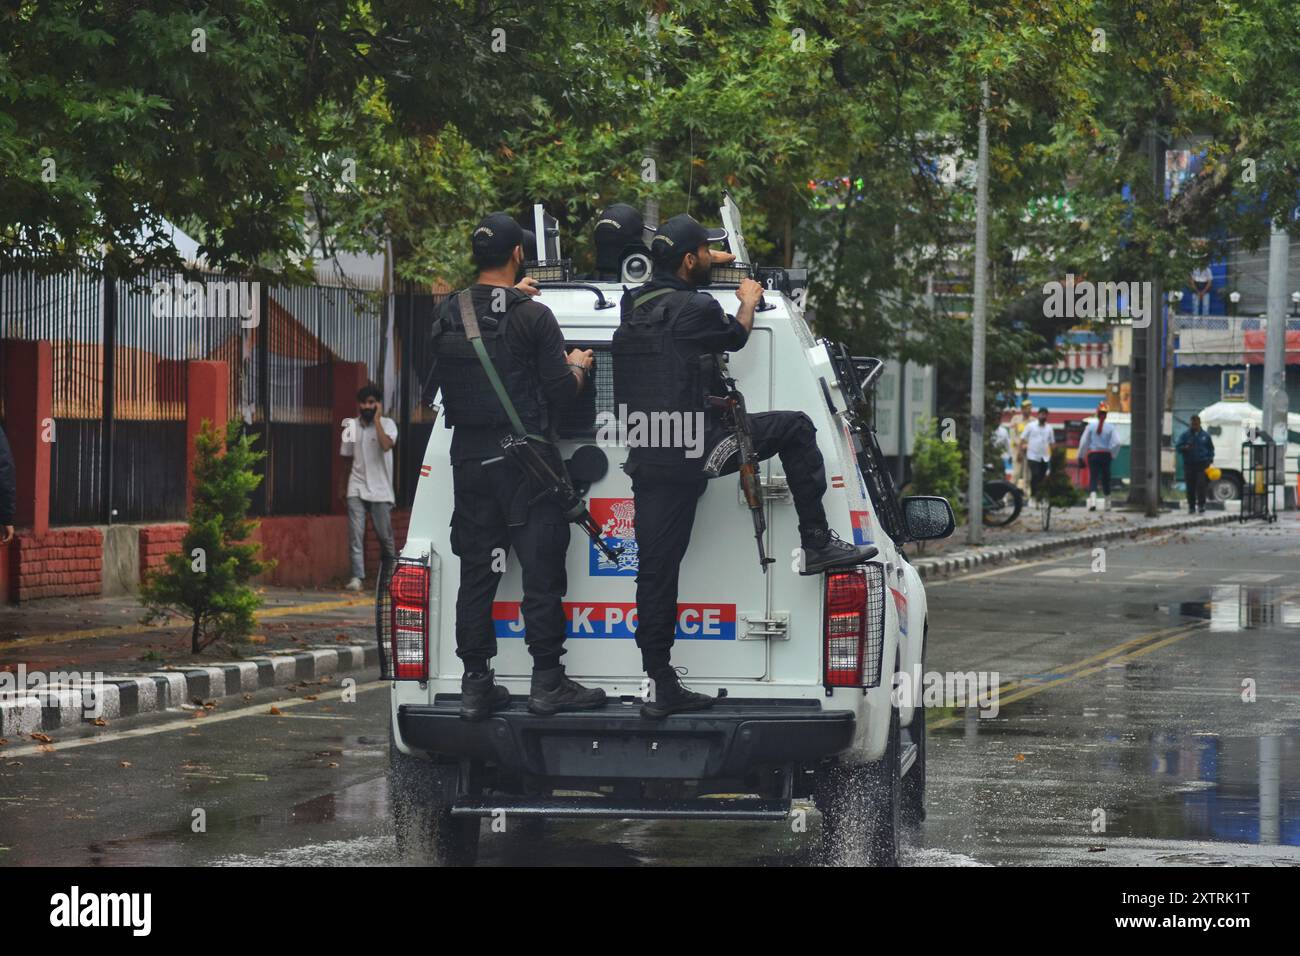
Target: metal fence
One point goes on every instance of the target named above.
(119, 353)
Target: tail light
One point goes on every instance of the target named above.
(408, 636)
(854, 626)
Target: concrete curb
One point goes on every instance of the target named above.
(74, 701)
(962, 561)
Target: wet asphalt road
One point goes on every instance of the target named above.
(1122, 738)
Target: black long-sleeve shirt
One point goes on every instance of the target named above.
(8, 483)
(535, 341)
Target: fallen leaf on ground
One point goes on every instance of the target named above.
(248, 697)
(309, 697)
(332, 764)
(43, 738)
(275, 712)
(1020, 756)
(100, 722)
(125, 763)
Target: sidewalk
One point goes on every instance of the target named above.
(1075, 527)
(76, 662)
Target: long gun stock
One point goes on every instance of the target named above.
(556, 485)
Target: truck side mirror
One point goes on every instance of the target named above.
(928, 518)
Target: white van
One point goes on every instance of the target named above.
(803, 664)
(1227, 423)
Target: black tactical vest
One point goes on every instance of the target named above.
(467, 395)
(651, 371)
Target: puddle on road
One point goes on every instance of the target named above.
(1239, 607)
(1225, 789)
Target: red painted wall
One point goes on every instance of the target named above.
(157, 541)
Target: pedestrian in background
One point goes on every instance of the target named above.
(368, 440)
(8, 491)
(1097, 449)
(1202, 282)
(1036, 442)
(1002, 445)
(1197, 448)
(1019, 467)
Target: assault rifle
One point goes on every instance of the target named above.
(740, 441)
(555, 485)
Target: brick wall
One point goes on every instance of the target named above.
(156, 542)
(63, 562)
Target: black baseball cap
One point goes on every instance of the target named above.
(619, 228)
(680, 235)
(496, 236)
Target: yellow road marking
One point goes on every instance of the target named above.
(60, 637)
(1019, 690)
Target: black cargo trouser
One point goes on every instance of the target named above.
(491, 519)
(664, 500)
(1197, 482)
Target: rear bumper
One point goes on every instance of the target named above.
(616, 742)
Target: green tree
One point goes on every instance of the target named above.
(207, 580)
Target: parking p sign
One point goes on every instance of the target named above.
(1232, 385)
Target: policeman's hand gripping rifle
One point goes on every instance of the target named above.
(736, 419)
(555, 485)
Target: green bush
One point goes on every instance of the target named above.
(207, 580)
(937, 467)
(1061, 490)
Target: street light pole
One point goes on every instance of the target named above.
(1275, 397)
(975, 488)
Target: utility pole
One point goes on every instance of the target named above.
(1275, 397)
(975, 488)
(1144, 487)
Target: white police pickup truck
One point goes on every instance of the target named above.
(803, 665)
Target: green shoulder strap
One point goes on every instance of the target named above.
(470, 321)
(645, 297)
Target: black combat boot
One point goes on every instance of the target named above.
(553, 692)
(480, 696)
(824, 549)
(669, 696)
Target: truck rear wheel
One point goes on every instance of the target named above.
(861, 810)
(420, 793)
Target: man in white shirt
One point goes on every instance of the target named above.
(368, 440)
(1202, 282)
(1036, 440)
(1097, 447)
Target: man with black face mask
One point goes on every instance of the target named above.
(666, 352)
(368, 440)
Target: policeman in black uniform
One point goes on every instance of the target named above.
(665, 360)
(491, 514)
